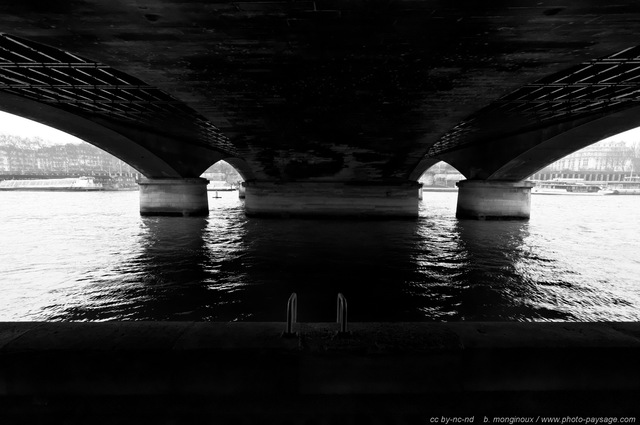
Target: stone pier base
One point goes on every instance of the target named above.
(329, 199)
(241, 190)
(174, 197)
(494, 200)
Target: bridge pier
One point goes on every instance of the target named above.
(494, 200)
(332, 199)
(174, 197)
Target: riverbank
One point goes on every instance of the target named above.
(439, 189)
(249, 371)
(68, 184)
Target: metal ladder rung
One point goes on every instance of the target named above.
(342, 313)
(292, 314)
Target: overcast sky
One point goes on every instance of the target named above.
(18, 126)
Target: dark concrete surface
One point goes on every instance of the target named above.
(379, 373)
(325, 90)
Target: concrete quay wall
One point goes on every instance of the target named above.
(407, 367)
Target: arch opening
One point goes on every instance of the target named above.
(33, 151)
(110, 141)
(223, 176)
(613, 159)
(440, 176)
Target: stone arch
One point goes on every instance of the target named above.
(241, 167)
(544, 120)
(123, 148)
(155, 133)
(563, 144)
(422, 167)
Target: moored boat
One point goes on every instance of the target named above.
(629, 186)
(567, 187)
(82, 184)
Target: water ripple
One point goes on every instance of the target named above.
(91, 257)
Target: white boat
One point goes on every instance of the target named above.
(567, 187)
(65, 184)
(629, 186)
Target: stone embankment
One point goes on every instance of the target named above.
(175, 372)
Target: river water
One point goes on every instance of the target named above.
(91, 257)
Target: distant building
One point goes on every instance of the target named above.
(613, 156)
(4, 161)
(17, 160)
(19, 157)
(601, 162)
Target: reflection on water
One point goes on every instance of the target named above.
(92, 257)
(494, 282)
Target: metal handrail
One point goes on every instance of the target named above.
(342, 313)
(292, 313)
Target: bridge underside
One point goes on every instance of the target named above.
(326, 95)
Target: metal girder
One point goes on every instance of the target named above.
(91, 89)
(591, 87)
